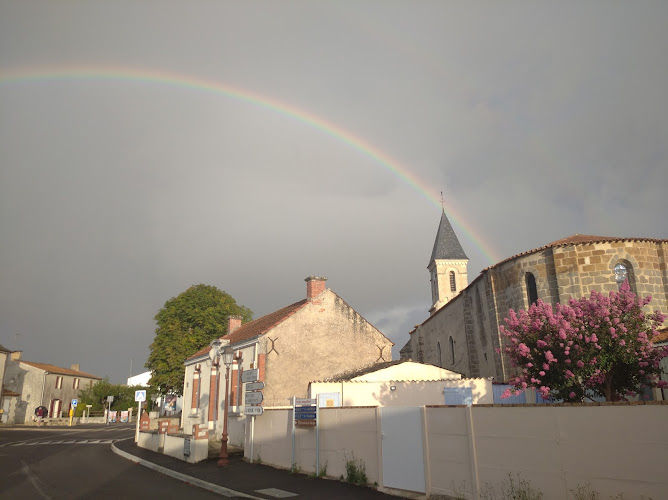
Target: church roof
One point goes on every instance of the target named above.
(446, 246)
(4, 349)
(575, 239)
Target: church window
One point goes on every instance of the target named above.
(620, 273)
(453, 285)
(452, 350)
(532, 293)
(624, 272)
(440, 359)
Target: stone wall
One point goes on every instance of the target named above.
(561, 272)
(326, 337)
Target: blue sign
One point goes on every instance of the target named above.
(74, 403)
(305, 413)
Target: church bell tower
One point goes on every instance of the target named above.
(447, 267)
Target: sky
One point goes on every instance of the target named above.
(149, 146)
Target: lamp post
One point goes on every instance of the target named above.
(228, 357)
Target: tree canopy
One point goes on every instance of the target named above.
(595, 346)
(186, 324)
(124, 397)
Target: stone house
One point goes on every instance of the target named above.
(42, 384)
(462, 332)
(311, 339)
(8, 397)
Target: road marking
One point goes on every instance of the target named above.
(94, 441)
(276, 493)
(34, 480)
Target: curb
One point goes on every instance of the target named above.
(215, 488)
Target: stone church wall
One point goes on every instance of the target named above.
(473, 317)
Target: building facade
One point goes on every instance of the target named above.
(41, 384)
(463, 335)
(312, 339)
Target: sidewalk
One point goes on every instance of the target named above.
(241, 479)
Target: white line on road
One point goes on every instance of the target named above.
(34, 480)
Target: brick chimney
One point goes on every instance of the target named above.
(233, 323)
(75, 367)
(16, 355)
(315, 285)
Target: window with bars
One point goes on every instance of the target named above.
(453, 284)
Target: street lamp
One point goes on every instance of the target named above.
(228, 357)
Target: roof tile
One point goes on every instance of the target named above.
(60, 371)
(256, 327)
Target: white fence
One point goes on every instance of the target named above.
(616, 448)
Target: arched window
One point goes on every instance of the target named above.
(532, 293)
(440, 359)
(452, 350)
(453, 285)
(624, 272)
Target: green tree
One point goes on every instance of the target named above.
(186, 324)
(96, 396)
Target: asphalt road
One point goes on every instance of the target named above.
(77, 462)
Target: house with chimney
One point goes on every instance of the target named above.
(41, 384)
(312, 339)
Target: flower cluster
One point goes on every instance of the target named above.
(595, 346)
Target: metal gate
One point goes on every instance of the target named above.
(403, 453)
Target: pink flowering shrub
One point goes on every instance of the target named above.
(595, 346)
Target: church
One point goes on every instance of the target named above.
(462, 334)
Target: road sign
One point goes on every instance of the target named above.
(250, 375)
(74, 403)
(255, 386)
(253, 410)
(140, 395)
(110, 399)
(303, 402)
(253, 398)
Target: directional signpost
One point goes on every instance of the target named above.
(253, 399)
(250, 375)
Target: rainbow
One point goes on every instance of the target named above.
(182, 81)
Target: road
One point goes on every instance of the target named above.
(77, 462)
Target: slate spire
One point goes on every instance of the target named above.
(447, 246)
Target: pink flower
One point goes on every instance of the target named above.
(580, 363)
(541, 373)
(571, 395)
